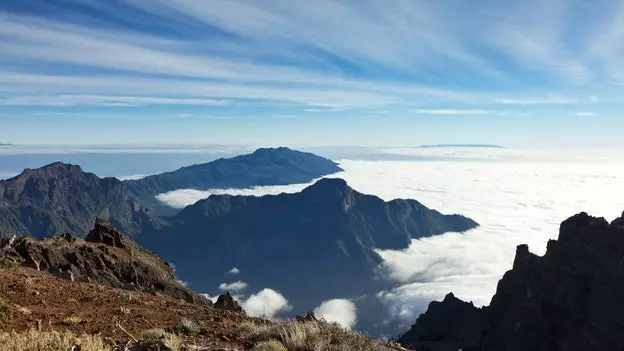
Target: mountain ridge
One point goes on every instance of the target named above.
(265, 166)
(568, 299)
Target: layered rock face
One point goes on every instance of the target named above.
(572, 298)
(105, 257)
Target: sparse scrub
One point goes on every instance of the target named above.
(314, 336)
(271, 345)
(151, 334)
(245, 329)
(6, 263)
(72, 320)
(36, 341)
(187, 327)
(6, 314)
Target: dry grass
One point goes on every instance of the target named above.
(39, 341)
(187, 327)
(271, 345)
(312, 336)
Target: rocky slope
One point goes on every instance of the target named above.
(325, 235)
(569, 299)
(105, 257)
(63, 198)
(269, 166)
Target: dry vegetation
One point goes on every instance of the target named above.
(36, 341)
(308, 336)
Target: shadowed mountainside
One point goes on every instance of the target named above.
(325, 235)
(568, 299)
(63, 198)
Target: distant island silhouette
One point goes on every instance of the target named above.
(489, 146)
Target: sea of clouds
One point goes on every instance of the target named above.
(515, 199)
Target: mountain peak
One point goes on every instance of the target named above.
(330, 184)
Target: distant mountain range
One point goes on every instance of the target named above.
(489, 146)
(310, 246)
(569, 299)
(268, 166)
(1, 144)
(325, 236)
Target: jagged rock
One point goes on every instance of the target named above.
(309, 317)
(569, 299)
(105, 257)
(227, 302)
(105, 233)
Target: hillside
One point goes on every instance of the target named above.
(268, 166)
(325, 235)
(63, 198)
(568, 299)
(112, 304)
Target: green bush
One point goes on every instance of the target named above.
(6, 314)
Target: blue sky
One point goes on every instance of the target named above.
(518, 73)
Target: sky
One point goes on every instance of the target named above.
(518, 73)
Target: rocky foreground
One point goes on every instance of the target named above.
(570, 299)
(105, 292)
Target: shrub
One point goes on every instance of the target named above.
(6, 263)
(271, 345)
(151, 334)
(187, 327)
(72, 320)
(6, 314)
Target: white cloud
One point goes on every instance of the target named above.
(234, 271)
(455, 112)
(233, 287)
(213, 299)
(586, 114)
(267, 303)
(184, 197)
(132, 177)
(340, 311)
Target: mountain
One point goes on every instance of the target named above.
(310, 246)
(569, 299)
(105, 256)
(269, 166)
(63, 198)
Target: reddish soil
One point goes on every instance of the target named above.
(37, 296)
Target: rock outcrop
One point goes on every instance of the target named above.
(572, 298)
(228, 303)
(105, 257)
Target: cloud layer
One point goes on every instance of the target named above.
(517, 196)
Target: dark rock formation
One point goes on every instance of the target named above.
(310, 246)
(106, 257)
(63, 198)
(572, 298)
(227, 302)
(279, 166)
